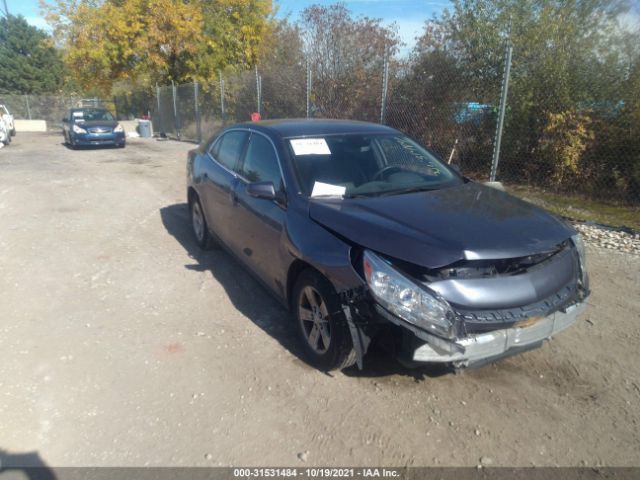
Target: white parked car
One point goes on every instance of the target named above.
(8, 120)
(5, 135)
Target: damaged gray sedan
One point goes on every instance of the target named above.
(365, 235)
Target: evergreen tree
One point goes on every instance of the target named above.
(28, 62)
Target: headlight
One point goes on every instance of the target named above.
(118, 129)
(579, 244)
(78, 129)
(406, 299)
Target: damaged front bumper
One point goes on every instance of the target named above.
(485, 347)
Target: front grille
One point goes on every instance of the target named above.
(99, 130)
(487, 320)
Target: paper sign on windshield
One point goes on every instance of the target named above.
(78, 114)
(326, 189)
(310, 146)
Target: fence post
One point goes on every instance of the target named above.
(26, 99)
(258, 90)
(176, 117)
(385, 85)
(224, 119)
(159, 112)
(503, 107)
(260, 94)
(308, 88)
(196, 89)
(115, 105)
(160, 124)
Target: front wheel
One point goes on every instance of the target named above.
(321, 325)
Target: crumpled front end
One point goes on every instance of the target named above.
(480, 348)
(484, 309)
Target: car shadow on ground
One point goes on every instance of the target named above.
(30, 464)
(251, 299)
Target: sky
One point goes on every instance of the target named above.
(409, 15)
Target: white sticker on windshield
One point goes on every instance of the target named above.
(310, 146)
(78, 114)
(326, 189)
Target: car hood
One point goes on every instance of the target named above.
(437, 228)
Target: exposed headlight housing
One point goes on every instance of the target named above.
(579, 245)
(406, 299)
(78, 129)
(118, 129)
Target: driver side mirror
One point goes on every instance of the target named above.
(264, 190)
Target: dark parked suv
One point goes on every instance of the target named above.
(363, 233)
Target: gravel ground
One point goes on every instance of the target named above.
(610, 239)
(123, 345)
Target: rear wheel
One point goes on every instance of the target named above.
(321, 325)
(199, 225)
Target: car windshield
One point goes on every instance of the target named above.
(354, 165)
(91, 115)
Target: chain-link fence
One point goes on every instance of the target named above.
(51, 108)
(555, 141)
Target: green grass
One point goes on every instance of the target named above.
(579, 207)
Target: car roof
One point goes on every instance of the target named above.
(302, 127)
(78, 109)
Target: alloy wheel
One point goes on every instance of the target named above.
(314, 319)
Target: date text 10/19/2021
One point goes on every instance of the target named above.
(317, 472)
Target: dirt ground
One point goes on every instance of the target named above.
(123, 345)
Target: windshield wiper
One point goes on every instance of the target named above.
(360, 195)
(400, 191)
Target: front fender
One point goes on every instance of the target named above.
(309, 242)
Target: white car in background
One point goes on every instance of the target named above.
(5, 133)
(8, 120)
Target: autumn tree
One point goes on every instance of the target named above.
(346, 56)
(566, 64)
(29, 62)
(283, 72)
(430, 99)
(149, 41)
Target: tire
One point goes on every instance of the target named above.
(199, 225)
(13, 132)
(320, 323)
